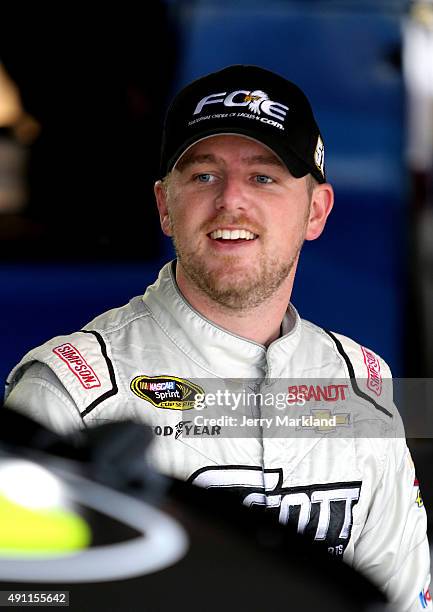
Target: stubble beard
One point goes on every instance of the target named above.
(227, 286)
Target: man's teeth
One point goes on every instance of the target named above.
(232, 234)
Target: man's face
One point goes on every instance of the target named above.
(238, 219)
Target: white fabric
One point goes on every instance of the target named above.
(355, 493)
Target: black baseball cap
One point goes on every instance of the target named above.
(249, 101)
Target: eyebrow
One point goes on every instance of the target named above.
(268, 160)
(189, 160)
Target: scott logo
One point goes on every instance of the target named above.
(257, 101)
(166, 391)
(321, 512)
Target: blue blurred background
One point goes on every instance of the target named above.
(79, 154)
(96, 243)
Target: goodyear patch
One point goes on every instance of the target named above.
(167, 392)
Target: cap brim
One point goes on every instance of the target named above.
(296, 166)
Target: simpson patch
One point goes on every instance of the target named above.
(78, 365)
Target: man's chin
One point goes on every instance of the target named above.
(230, 269)
(235, 291)
(232, 280)
(233, 283)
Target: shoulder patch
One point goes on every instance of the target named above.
(81, 363)
(366, 375)
(374, 375)
(68, 353)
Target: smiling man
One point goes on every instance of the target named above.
(243, 186)
(238, 219)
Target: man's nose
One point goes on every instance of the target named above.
(232, 195)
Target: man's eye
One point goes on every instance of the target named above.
(263, 179)
(204, 178)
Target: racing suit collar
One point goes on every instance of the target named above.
(218, 351)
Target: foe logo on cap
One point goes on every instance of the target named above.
(257, 101)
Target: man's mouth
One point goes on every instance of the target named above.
(222, 234)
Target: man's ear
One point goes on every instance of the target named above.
(160, 191)
(322, 201)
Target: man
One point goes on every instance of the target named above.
(244, 185)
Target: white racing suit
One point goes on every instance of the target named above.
(348, 483)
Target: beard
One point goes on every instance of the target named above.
(229, 284)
